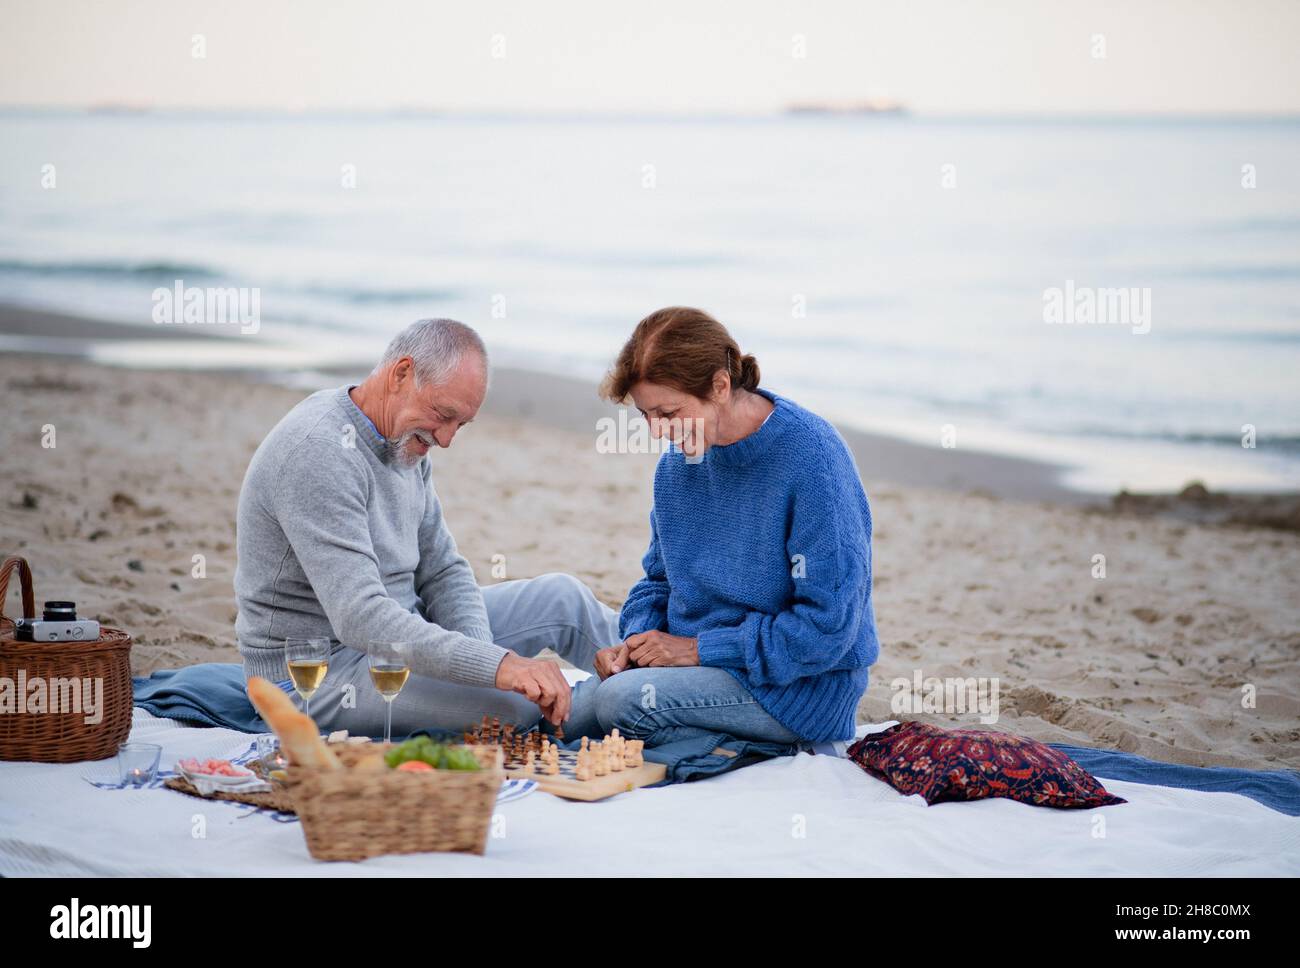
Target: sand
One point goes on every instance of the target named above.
(1152, 658)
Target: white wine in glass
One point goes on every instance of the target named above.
(308, 661)
(390, 667)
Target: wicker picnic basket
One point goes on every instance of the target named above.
(354, 814)
(61, 736)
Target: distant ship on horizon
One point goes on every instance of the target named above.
(868, 106)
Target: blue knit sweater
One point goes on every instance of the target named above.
(762, 550)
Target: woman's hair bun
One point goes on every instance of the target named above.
(748, 372)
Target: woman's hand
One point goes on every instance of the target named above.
(611, 660)
(657, 648)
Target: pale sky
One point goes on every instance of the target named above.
(662, 56)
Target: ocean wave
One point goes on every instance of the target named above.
(1284, 224)
(102, 269)
(376, 296)
(169, 272)
(1262, 273)
(1241, 336)
(1288, 443)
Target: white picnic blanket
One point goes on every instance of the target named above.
(808, 814)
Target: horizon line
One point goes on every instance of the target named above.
(833, 112)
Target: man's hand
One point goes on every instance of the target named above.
(541, 681)
(657, 648)
(614, 659)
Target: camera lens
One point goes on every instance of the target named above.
(60, 611)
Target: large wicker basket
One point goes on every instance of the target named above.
(61, 734)
(354, 814)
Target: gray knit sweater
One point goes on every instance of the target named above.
(335, 540)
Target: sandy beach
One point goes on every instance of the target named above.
(972, 577)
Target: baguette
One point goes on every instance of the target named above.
(299, 736)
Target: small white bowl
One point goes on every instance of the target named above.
(207, 783)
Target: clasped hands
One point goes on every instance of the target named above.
(653, 648)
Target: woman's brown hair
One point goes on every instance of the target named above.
(682, 348)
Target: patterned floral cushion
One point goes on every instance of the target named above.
(971, 764)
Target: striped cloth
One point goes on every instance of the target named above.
(106, 776)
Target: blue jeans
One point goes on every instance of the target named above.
(672, 703)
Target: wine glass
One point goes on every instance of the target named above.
(308, 661)
(390, 667)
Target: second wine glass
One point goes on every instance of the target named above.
(390, 667)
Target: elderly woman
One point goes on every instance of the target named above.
(754, 616)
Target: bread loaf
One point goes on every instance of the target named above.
(299, 736)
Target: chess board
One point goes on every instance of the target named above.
(566, 784)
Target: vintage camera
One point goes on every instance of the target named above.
(58, 623)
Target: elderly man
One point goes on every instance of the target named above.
(341, 536)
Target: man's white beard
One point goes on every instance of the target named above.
(401, 447)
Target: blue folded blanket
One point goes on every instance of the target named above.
(209, 694)
(1279, 789)
(213, 694)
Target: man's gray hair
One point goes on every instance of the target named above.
(437, 346)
